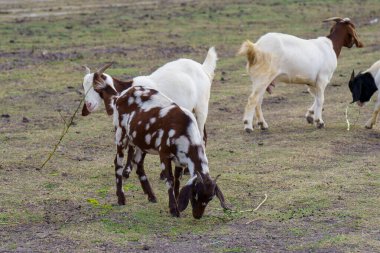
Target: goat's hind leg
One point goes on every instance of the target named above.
(249, 112)
(310, 112)
(259, 114)
(253, 101)
(319, 100)
(139, 161)
(173, 206)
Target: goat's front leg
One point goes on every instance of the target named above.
(128, 166)
(375, 114)
(173, 206)
(139, 161)
(118, 174)
(177, 176)
(319, 100)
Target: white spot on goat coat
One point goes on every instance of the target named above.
(118, 136)
(131, 100)
(119, 160)
(152, 120)
(148, 138)
(182, 144)
(166, 110)
(143, 178)
(119, 172)
(159, 137)
(171, 132)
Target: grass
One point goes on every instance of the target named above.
(322, 185)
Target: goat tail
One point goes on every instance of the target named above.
(248, 49)
(209, 64)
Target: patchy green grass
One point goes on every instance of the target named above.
(322, 185)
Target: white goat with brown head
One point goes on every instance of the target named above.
(282, 58)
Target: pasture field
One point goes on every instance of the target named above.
(322, 185)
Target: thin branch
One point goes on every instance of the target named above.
(63, 119)
(249, 210)
(65, 130)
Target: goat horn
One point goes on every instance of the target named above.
(102, 69)
(336, 19)
(87, 69)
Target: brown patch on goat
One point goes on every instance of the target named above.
(343, 34)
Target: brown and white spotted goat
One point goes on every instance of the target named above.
(146, 121)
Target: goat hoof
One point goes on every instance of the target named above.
(162, 176)
(262, 126)
(152, 199)
(174, 212)
(121, 202)
(368, 127)
(309, 119)
(248, 130)
(320, 125)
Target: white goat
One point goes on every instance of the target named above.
(281, 58)
(185, 81)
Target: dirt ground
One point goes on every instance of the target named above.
(322, 184)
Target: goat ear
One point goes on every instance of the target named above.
(220, 196)
(184, 197)
(357, 41)
(352, 75)
(85, 111)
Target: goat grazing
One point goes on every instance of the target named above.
(363, 86)
(147, 121)
(278, 57)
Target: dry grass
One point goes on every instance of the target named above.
(322, 185)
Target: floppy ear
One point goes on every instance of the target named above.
(220, 196)
(184, 197)
(85, 111)
(353, 33)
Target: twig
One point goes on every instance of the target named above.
(65, 129)
(347, 121)
(249, 210)
(257, 208)
(63, 119)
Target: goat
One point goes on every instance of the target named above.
(147, 121)
(185, 81)
(278, 57)
(363, 86)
